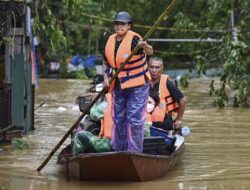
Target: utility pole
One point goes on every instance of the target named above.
(234, 29)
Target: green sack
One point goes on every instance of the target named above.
(102, 145)
(147, 128)
(83, 142)
(86, 142)
(97, 111)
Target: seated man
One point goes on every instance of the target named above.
(172, 100)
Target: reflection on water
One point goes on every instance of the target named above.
(216, 157)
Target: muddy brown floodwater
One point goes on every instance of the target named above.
(217, 152)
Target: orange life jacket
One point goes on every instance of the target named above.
(148, 117)
(107, 121)
(133, 73)
(166, 104)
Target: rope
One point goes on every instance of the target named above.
(158, 28)
(185, 53)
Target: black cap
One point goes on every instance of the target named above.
(123, 16)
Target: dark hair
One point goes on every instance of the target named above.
(155, 59)
(154, 96)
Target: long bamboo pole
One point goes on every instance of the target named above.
(151, 30)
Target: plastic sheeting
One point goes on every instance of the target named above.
(97, 111)
(129, 107)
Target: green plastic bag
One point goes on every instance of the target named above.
(147, 128)
(102, 145)
(83, 142)
(86, 142)
(97, 111)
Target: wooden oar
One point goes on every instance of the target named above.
(151, 30)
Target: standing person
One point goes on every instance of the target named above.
(171, 98)
(131, 88)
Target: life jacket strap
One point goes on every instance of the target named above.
(108, 70)
(125, 79)
(136, 67)
(137, 60)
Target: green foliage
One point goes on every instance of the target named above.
(46, 25)
(184, 80)
(19, 143)
(236, 71)
(222, 99)
(236, 75)
(81, 75)
(70, 27)
(200, 64)
(234, 55)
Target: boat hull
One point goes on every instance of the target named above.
(120, 166)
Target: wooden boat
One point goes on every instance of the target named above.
(121, 166)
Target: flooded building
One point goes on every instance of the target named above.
(16, 88)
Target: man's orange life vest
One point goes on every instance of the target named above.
(166, 104)
(133, 73)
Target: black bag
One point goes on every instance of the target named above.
(83, 102)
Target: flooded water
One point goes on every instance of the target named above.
(216, 157)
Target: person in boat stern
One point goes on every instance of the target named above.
(170, 109)
(131, 88)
